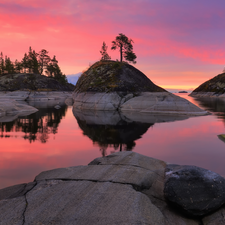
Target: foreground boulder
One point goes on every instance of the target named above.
(196, 190)
(116, 86)
(122, 188)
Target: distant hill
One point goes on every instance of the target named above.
(13, 82)
(73, 78)
(110, 76)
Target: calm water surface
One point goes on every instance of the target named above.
(54, 138)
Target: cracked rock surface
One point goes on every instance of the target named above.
(122, 188)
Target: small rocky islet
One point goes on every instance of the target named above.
(17, 90)
(214, 87)
(118, 86)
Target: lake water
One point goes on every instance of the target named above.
(54, 138)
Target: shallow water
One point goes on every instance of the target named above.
(54, 138)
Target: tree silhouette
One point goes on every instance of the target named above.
(2, 64)
(53, 70)
(105, 55)
(125, 47)
(44, 59)
(9, 68)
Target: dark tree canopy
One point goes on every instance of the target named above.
(33, 62)
(125, 47)
(44, 59)
(105, 55)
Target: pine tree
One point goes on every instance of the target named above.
(18, 66)
(24, 63)
(53, 70)
(125, 47)
(104, 53)
(2, 64)
(43, 60)
(9, 67)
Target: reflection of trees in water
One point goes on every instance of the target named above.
(37, 126)
(121, 137)
(214, 105)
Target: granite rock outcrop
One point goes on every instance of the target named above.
(14, 104)
(214, 87)
(122, 188)
(116, 86)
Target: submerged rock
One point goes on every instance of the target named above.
(195, 190)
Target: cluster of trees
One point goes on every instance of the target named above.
(124, 44)
(33, 62)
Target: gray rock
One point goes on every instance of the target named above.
(217, 218)
(16, 190)
(161, 103)
(11, 211)
(195, 190)
(96, 101)
(69, 101)
(85, 202)
(145, 102)
(57, 107)
(10, 109)
(138, 177)
(131, 158)
(122, 188)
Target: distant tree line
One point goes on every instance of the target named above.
(33, 62)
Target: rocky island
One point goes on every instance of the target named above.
(117, 86)
(214, 87)
(122, 188)
(17, 90)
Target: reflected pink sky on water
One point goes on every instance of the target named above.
(192, 141)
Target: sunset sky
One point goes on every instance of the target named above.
(179, 43)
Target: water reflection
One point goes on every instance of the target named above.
(214, 105)
(116, 130)
(36, 126)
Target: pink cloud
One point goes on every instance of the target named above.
(74, 31)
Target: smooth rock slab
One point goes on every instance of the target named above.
(10, 110)
(146, 102)
(161, 103)
(138, 177)
(11, 211)
(88, 203)
(195, 190)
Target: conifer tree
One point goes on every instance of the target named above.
(2, 64)
(9, 67)
(53, 70)
(44, 60)
(18, 66)
(125, 47)
(104, 53)
(24, 63)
